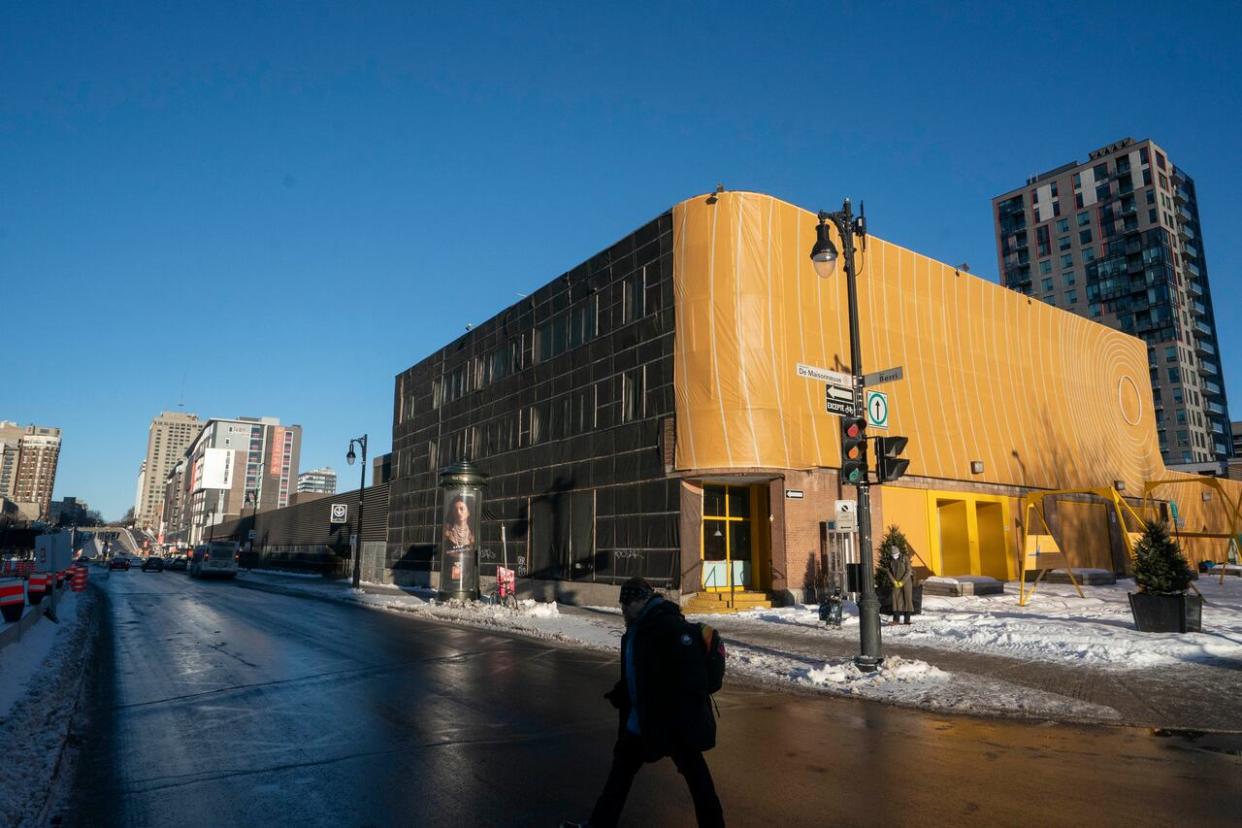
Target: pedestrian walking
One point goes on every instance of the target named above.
(663, 701)
(902, 575)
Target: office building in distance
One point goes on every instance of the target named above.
(317, 481)
(28, 459)
(1117, 239)
(168, 436)
(231, 467)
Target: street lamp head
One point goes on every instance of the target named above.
(824, 253)
(350, 457)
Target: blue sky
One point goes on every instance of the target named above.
(253, 208)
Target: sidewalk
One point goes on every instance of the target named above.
(1061, 658)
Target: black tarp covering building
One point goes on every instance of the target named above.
(565, 400)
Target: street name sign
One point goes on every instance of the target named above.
(847, 515)
(881, 377)
(877, 409)
(339, 513)
(825, 375)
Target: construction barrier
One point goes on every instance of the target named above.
(79, 579)
(12, 599)
(37, 587)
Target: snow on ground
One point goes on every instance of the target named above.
(1055, 626)
(39, 681)
(900, 681)
(20, 660)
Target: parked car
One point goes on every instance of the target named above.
(179, 563)
(119, 562)
(155, 562)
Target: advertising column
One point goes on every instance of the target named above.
(461, 487)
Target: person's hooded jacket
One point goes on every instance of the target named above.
(674, 707)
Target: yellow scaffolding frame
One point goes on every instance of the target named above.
(1233, 537)
(1034, 501)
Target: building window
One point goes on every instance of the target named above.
(632, 395)
(1084, 218)
(1045, 266)
(1151, 196)
(1084, 236)
(1067, 260)
(1146, 178)
(1071, 297)
(1047, 285)
(1063, 243)
(1063, 225)
(1160, 160)
(633, 297)
(1088, 255)
(1068, 277)
(1170, 353)
(1175, 376)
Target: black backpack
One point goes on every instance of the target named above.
(713, 654)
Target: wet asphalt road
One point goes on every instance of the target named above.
(219, 705)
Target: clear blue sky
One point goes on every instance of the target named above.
(253, 208)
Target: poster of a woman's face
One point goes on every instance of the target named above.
(457, 522)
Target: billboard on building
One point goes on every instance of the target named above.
(217, 469)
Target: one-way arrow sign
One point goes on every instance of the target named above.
(838, 400)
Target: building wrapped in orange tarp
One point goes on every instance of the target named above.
(1000, 394)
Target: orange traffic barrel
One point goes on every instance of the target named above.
(36, 588)
(79, 579)
(12, 599)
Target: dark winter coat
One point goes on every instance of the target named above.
(901, 573)
(674, 708)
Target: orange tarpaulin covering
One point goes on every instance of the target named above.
(1043, 397)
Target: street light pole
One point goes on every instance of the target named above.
(824, 256)
(349, 458)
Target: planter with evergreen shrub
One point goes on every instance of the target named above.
(1162, 577)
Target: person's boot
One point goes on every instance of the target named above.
(907, 621)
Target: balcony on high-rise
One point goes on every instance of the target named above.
(1202, 327)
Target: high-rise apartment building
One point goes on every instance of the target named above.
(231, 467)
(168, 436)
(28, 458)
(318, 481)
(1117, 239)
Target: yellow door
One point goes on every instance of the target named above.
(727, 545)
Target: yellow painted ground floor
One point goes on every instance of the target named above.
(776, 532)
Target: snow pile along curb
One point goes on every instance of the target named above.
(41, 677)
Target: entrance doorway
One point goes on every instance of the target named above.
(728, 547)
(954, 537)
(992, 559)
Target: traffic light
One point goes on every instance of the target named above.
(853, 450)
(889, 464)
